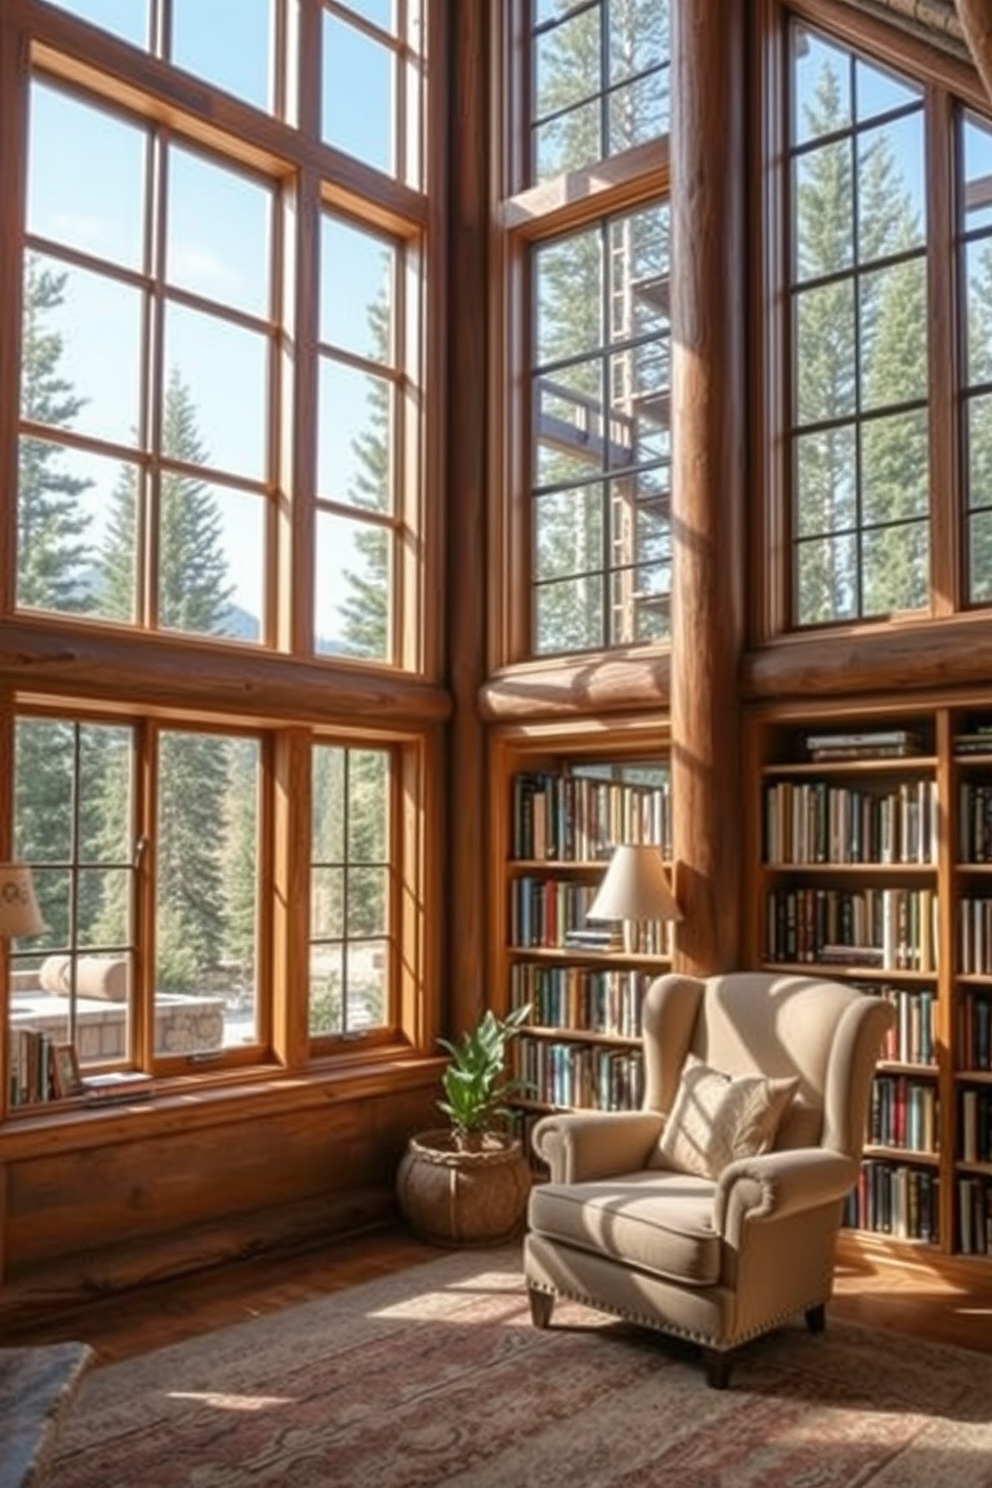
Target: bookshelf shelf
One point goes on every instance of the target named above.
(561, 804)
(895, 852)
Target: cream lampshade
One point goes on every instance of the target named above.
(635, 889)
(19, 912)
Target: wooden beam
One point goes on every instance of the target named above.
(708, 248)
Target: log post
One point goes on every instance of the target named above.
(708, 476)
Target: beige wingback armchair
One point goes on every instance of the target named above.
(661, 1215)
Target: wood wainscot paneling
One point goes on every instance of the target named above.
(98, 1201)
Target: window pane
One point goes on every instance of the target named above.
(979, 438)
(368, 983)
(821, 86)
(328, 788)
(64, 510)
(893, 316)
(569, 423)
(569, 141)
(215, 404)
(354, 65)
(211, 570)
(639, 283)
(896, 573)
(367, 904)
(327, 902)
(827, 580)
(978, 325)
(207, 874)
(895, 476)
(638, 112)
(823, 211)
(352, 586)
(354, 437)
(892, 217)
(825, 500)
(226, 42)
(568, 532)
(825, 352)
(86, 177)
(218, 233)
(640, 600)
(976, 139)
(125, 18)
(81, 365)
(879, 91)
(980, 558)
(569, 615)
(326, 990)
(568, 65)
(357, 274)
(368, 783)
(569, 292)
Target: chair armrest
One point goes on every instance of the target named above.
(582, 1145)
(780, 1183)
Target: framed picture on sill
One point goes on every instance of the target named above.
(65, 1077)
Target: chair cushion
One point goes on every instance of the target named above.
(660, 1222)
(717, 1118)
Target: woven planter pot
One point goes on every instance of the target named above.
(450, 1197)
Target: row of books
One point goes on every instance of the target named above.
(580, 999)
(975, 821)
(974, 1030)
(580, 818)
(810, 822)
(43, 1069)
(974, 1216)
(865, 744)
(976, 740)
(892, 928)
(975, 935)
(551, 913)
(591, 1076)
(895, 1199)
(976, 1125)
(912, 1039)
(903, 1112)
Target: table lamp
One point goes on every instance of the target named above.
(635, 889)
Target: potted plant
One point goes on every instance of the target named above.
(467, 1184)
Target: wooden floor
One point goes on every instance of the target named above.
(912, 1303)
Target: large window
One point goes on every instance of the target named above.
(975, 238)
(590, 498)
(602, 376)
(218, 422)
(859, 434)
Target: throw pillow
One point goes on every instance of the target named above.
(717, 1118)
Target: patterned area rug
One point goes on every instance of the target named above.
(435, 1378)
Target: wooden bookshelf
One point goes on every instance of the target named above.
(873, 866)
(562, 800)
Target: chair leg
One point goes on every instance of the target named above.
(717, 1363)
(541, 1307)
(816, 1318)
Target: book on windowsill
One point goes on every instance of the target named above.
(116, 1085)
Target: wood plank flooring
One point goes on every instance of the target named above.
(136, 1322)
